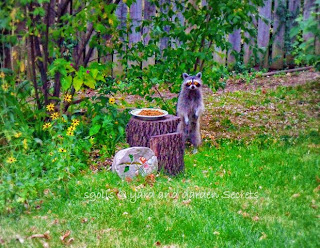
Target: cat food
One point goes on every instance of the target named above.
(149, 112)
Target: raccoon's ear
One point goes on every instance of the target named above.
(199, 75)
(185, 75)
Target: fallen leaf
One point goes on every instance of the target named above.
(186, 202)
(255, 218)
(150, 179)
(45, 235)
(55, 222)
(84, 220)
(128, 179)
(20, 239)
(63, 237)
(157, 243)
(316, 189)
(70, 241)
(295, 195)
(263, 236)
(121, 196)
(44, 244)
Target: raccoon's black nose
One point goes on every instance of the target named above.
(192, 87)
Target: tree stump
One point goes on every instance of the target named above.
(140, 131)
(162, 137)
(169, 149)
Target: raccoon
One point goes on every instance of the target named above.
(189, 108)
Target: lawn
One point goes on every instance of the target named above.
(255, 182)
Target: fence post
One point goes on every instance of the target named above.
(278, 33)
(264, 33)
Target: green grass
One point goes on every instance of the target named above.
(274, 171)
(256, 191)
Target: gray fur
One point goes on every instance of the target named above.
(190, 107)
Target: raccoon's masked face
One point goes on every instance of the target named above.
(192, 82)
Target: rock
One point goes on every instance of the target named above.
(133, 161)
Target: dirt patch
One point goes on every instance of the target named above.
(289, 79)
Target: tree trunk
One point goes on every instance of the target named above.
(169, 149)
(140, 131)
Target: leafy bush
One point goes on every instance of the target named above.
(306, 51)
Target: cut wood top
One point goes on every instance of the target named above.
(167, 118)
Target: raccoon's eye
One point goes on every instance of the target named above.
(197, 84)
(189, 83)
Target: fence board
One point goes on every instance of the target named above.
(219, 55)
(264, 33)
(308, 4)
(235, 40)
(294, 7)
(248, 46)
(121, 13)
(149, 12)
(164, 42)
(278, 35)
(136, 16)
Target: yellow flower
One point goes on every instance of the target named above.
(63, 119)
(46, 125)
(11, 160)
(51, 154)
(75, 122)
(116, 122)
(50, 107)
(112, 100)
(54, 115)
(17, 135)
(54, 160)
(2, 75)
(62, 150)
(110, 22)
(91, 140)
(70, 133)
(67, 98)
(71, 128)
(25, 144)
(5, 87)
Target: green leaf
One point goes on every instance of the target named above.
(77, 83)
(131, 157)
(126, 168)
(90, 83)
(94, 130)
(66, 82)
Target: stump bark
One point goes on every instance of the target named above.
(140, 131)
(169, 149)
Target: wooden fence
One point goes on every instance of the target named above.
(270, 38)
